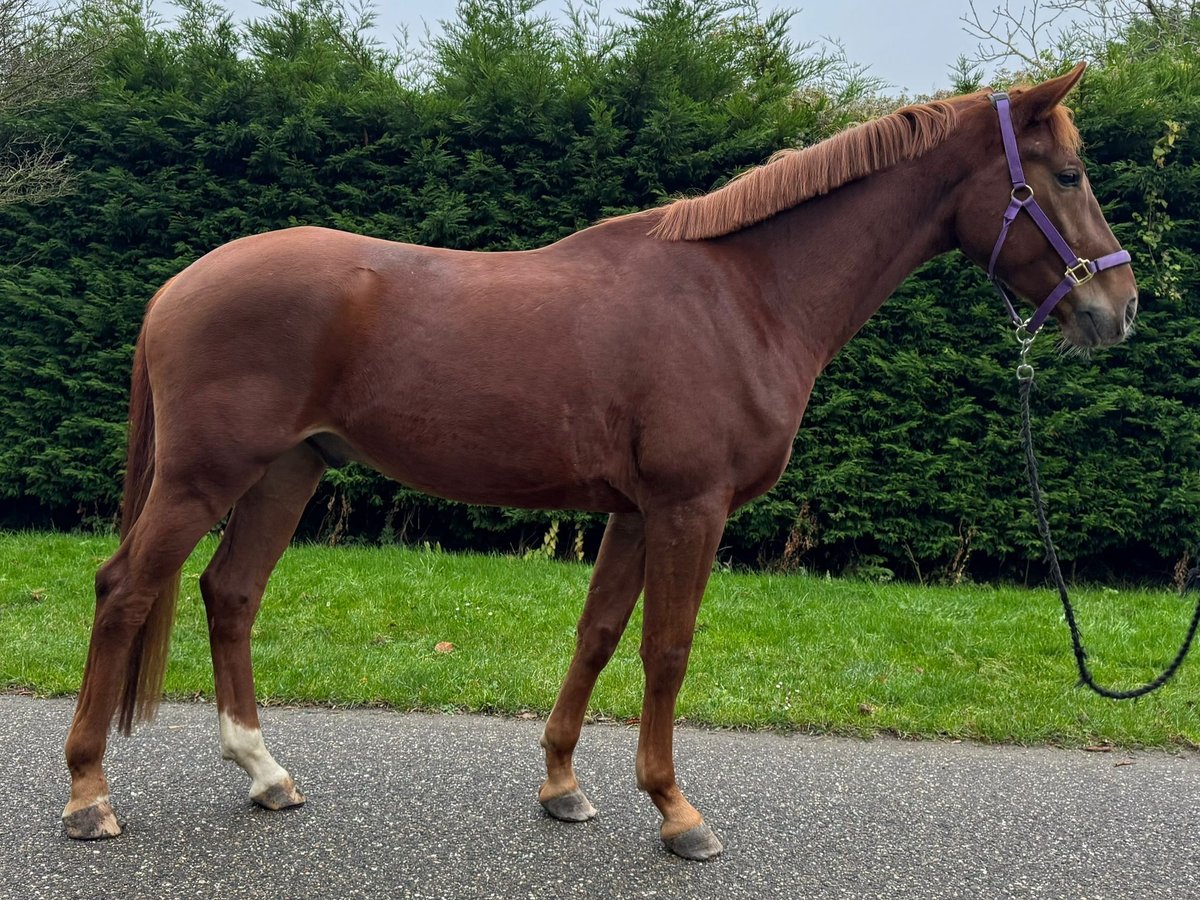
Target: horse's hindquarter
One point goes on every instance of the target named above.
(564, 377)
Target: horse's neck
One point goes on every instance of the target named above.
(835, 259)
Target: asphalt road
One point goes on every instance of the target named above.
(445, 806)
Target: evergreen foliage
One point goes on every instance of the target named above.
(513, 130)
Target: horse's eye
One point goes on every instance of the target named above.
(1069, 178)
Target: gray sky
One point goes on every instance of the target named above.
(910, 45)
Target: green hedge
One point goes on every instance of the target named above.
(512, 131)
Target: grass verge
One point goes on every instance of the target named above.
(360, 625)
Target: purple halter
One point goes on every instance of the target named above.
(1079, 270)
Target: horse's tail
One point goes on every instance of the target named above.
(148, 656)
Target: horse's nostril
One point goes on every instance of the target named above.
(1130, 312)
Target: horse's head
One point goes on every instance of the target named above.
(1066, 263)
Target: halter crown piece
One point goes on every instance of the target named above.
(1079, 270)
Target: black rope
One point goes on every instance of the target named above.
(1025, 379)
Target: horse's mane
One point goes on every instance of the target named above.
(793, 176)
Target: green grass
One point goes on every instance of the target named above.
(358, 626)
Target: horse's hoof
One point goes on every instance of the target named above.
(697, 843)
(573, 806)
(91, 823)
(281, 795)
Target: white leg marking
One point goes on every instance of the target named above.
(103, 798)
(246, 748)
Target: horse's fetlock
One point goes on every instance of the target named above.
(82, 752)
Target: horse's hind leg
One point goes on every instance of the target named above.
(144, 571)
(681, 542)
(259, 530)
(616, 584)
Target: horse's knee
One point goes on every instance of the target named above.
(596, 644)
(665, 662)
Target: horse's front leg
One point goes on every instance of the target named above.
(681, 542)
(615, 587)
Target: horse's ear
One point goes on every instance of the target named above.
(1040, 100)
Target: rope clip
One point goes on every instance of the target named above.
(1025, 339)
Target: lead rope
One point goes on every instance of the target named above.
(1025, 380)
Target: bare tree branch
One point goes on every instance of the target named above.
(1028, 35)
(43, 60)
(1042, 35)
(33, 173)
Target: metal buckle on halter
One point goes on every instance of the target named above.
(997, 96)
(1021, 200)
(1083, 265)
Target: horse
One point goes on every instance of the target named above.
(654, 366)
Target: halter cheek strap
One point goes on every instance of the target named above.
(1078, 270)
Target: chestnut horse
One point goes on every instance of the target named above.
(654, 366)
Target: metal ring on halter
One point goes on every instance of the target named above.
(1024, 335)
(1013, 193)
(1024, 372)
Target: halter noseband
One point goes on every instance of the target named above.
(1079, 270)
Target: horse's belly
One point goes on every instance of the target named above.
(491, 470)
(500, 486)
